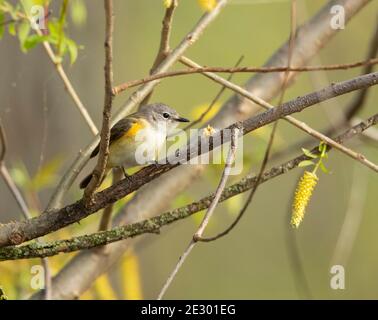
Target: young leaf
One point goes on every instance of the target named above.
(305, 163)
(323, 168)
(23, 32)
(309, 154)
(33, 40)
(72, 49)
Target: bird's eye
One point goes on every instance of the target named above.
(166, 115)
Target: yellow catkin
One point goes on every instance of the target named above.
(302, 196)
(207, 5)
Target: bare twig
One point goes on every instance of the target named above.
(99, 170)
(299, 124)
(106, 218)
(353, 107)
(21, 203)
(69, 87)
(62, 74)
(205, 221)
(164, 42)
(153, 225)
(214, 101)
(7, 177)
(133, 83)
(271, 137)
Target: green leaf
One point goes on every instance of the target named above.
(33, 40)
(323, 168)
(23, 32)
(72, 49)
(309, 154)
(305, 163)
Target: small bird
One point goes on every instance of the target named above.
(148, 127)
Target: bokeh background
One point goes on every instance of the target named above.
(45, 133)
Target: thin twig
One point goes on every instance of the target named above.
(214, 101)
(153, 225)
(62, 74)
(271, 137)
(69, 87)
(106, 218)
(122, 87)
(353, 107)
(164, 42)
(99, 170)
(299, 124)
(205, 221)
(21, 204)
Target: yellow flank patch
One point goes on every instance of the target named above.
(134, 129)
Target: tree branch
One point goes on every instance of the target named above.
(21, 204)
(153, 225)
(49, 221)
(193, 70)
(164, 42)
(99, 170)
(299, 124)
(293, 23)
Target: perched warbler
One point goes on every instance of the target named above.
(144, 130)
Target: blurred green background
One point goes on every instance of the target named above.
(45, 132)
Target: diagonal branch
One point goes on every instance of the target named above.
(18, 232)
(152, 225)
(4, 172)
(299, 124)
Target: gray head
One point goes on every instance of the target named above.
(161, 114)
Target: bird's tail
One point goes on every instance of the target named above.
(88, 178)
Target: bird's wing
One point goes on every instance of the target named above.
(117, 131)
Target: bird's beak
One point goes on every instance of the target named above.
(181, 119)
